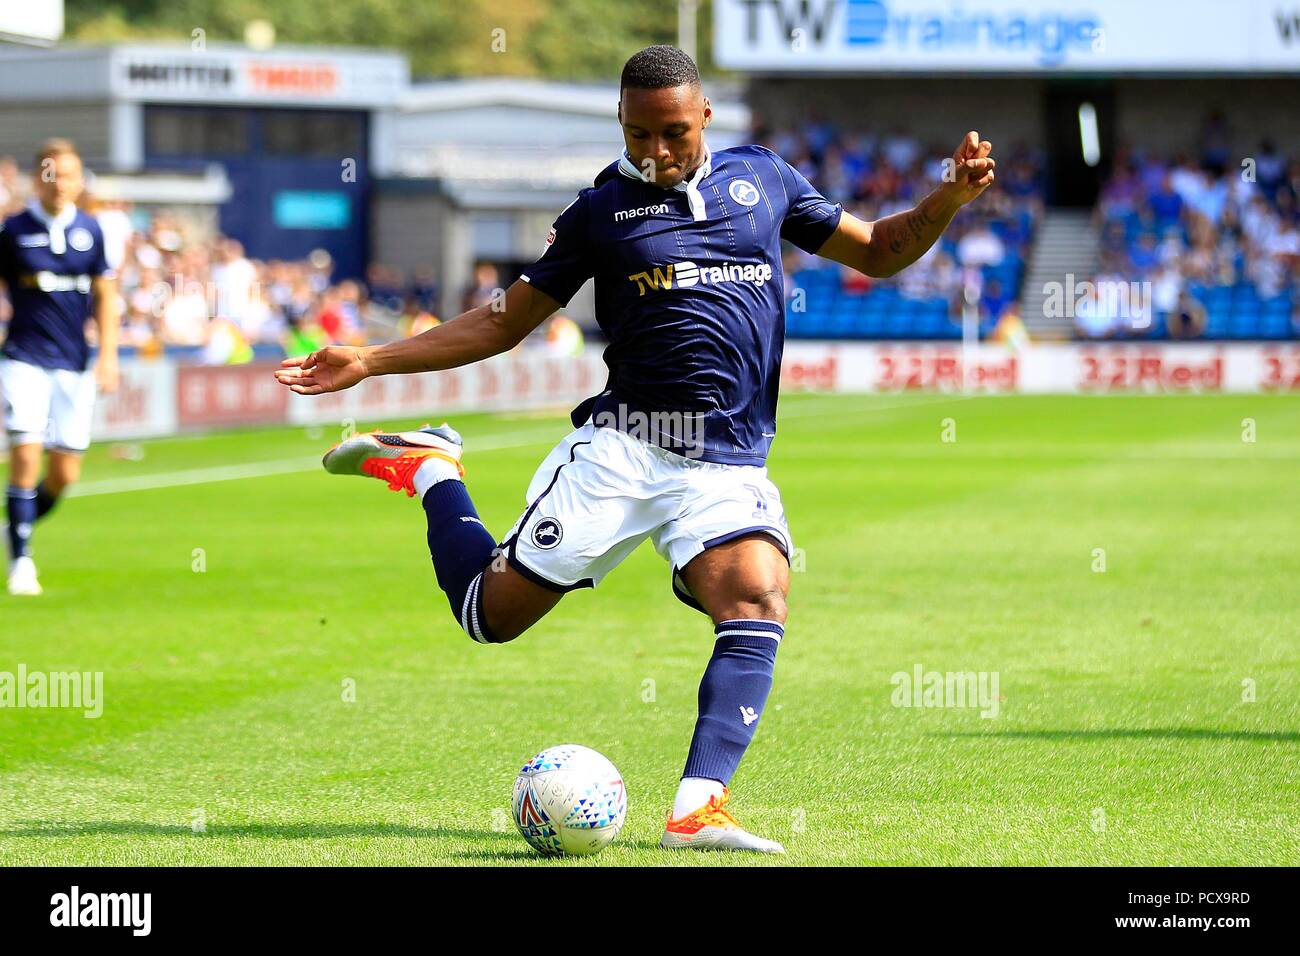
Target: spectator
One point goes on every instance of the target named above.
(485, 286)
(980, 247)
(416, 318)
(1187, 320)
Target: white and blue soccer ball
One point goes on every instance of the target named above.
(569, 801)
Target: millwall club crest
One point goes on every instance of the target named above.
(80, 239)
(547, 533)
(744, 192)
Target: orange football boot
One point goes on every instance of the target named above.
(395, 457)
(712, 827)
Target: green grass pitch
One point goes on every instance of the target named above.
(1125, 733)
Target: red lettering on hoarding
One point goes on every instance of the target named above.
(129, 405)
(413, 389)
(488, 383)
(229, 395)
(554, 378)
(1116, 370)
(943, 370)
(815, 376)
(523, 379)
(449, 386)
(1280, 371)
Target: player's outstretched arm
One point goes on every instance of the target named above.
(470, 337)
(888, 245)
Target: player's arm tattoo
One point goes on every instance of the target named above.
(882, 248)
(899, 240)
(912, 229)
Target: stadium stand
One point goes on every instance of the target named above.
(200, 299)
(1219, 246)
(984, 251)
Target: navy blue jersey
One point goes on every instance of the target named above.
(690, 293)
(48, 266)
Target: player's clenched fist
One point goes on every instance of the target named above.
(330, 369)
(971, 170)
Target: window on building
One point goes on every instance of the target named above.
(315, 134)
(195, 132)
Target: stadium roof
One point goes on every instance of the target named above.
(729, 113)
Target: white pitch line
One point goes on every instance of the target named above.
(288, 466)
(263, 469)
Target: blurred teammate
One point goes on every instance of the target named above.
(685, 248)
(52, 260)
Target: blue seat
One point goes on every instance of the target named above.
(1244, 326)
(1276, 327)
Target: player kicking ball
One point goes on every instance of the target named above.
(684, 245)
(53, 262)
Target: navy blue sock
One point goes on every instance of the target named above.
(732, 694)
(461, 549)
(45, 501)
(22, 515)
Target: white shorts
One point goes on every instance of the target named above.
(601, 492)
(50, 406)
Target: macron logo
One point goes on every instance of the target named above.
(623, 214)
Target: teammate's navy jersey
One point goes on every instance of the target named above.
(47, 265)
(690, 292)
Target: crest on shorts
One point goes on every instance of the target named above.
(547, 533)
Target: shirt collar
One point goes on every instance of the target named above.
(689, 186)
(60, 222)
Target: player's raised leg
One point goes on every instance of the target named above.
(742, 585)
(490, 600)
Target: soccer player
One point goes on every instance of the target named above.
(684, 245)
(53, 262)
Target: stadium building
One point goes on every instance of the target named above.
(282, 145)
(483, 167)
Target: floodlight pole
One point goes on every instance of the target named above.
(686, 30)
(970, 327)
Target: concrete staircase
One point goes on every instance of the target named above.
(1065, 243)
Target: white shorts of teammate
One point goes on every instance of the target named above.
(601, 492)
(49, 406)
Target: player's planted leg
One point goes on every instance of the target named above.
(744, 582)
(64, 470)
(21, 509)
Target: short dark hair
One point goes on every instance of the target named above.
(54, 148)
(657, 68)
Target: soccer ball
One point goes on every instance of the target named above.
(569, 801)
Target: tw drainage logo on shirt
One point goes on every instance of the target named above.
(683, 275)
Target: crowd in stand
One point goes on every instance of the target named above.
(1216, 236)
(1203, 236)
(983, 252)
(184, 290)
